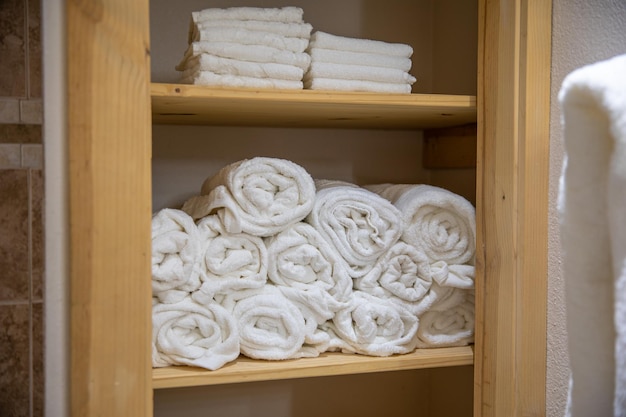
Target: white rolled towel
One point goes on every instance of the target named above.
(175, 255)
(359, 58)
(227, 66)
(438, 222)
(292, 30)
(402, 272)
(239, 81)
(299, 257)
(449, 322)
(270, 326)
(251, 37)
(456, 276)
(229, 261)
(288, 14)
(261, 196)
(357, 72)
(363, 86)
(373, 326)
(253, 53)
(187, 333)
(360, 225)
(329, 41)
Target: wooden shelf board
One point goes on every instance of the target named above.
(192, 104)
(328, 364)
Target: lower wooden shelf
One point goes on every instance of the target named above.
(327, 364)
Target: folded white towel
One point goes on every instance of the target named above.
(449, 322)
(359, 58)
(360, 225)
(299, 257)
(280, 14)
(253, 53)
(227, 66)
(270, 326)
(372, 326)
(358, 72)
(402, 272)
(328, 41)
(251, 37)
(239, 81)
(292, 30)
(439, 222)
(332, 84)
(175, 255)
(592, 202)
(187, 333)
(230, 261)
(261, 196)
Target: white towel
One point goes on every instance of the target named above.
(358, 72)
(175, 255)
(270, 326)
(592, 206)
(299, 257)
(253, 53)
(332, 84)
(373, 326)
(359, 58)
(455, 276)
(439, 222)
(279, 14)
(227, 66)
(187, 333)
(229, 262)
(328, 41)
(292, 30)
(251, 37)
(402, 272)
(360, 225)
(239, 81)
(449, 322)
(261, 196)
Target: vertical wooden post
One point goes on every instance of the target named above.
(512, 206)
(109, 128)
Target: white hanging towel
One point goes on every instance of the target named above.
(592, 207)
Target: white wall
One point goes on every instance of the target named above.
(583, 32)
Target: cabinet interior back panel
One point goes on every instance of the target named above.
(443, 34)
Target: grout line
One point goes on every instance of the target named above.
(14, 303)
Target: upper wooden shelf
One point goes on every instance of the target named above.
(328, 364)
(192, 104)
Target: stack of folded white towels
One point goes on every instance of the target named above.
(247, 47)
(352, 64)
(267, 262)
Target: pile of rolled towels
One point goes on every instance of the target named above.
(275, 48)
(352, 64)
(247, 47)
(269, 263)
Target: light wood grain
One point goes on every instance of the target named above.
(513, 137)
(249, 370)
(192, 104)
(109, 168)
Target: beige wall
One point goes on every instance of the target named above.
(583, 32)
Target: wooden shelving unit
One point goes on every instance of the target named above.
(192, 104)
(327, 364)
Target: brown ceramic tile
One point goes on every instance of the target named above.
(34, 48)
(37, 222)
(14, 360)
(20, 133)
(38, 359)
(14, 264)
(12, 49)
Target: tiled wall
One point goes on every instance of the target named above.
(21, 210)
